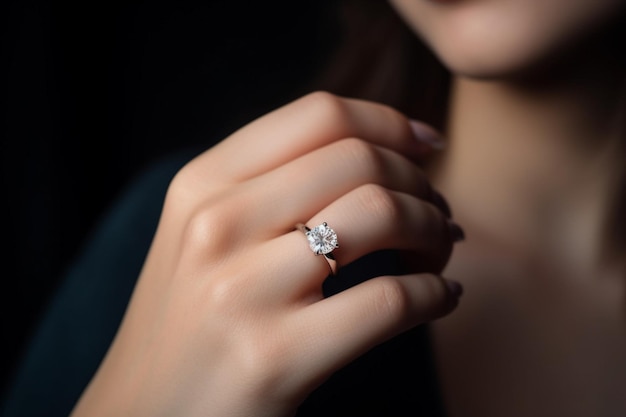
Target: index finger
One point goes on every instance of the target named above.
(303, 126)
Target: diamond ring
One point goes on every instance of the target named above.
(322, 241)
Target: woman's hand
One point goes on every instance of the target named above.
(228, 317)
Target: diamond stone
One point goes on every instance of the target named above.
(322, 239)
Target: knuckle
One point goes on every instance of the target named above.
(195, 179)
(434, 300)
(210, 230)
(185, 184)
(392, 299)
(329, 108)
(380, 203)
(179, 184)
(397, 124)
(224, 295)
(322, 99)
(266, 355)
(189, 174)
(394, 117)
(363, 155)
(266, 361)
(436, 287)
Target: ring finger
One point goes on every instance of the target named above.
(368, 219)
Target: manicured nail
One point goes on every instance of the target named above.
(454, 288)
(456, 232)
(427, 135)
(440, 202)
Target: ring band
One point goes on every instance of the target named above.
(322, 241)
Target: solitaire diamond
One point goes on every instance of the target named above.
(322, 239)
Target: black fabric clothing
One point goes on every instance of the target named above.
(396, 378)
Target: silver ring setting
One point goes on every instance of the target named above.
(322, 241)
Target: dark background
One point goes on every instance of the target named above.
(91, 93)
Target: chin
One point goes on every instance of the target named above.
(504, 38)
(497, 48)
(507, 59)
(493, 64)
(470, 64)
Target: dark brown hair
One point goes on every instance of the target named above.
(379, 58)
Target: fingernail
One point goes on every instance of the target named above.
(440, 202)
(454, 288)
(456, 232)
(427, 135)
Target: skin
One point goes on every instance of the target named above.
(533, 170)
(220, 324)
(542, 322)
(502, 38)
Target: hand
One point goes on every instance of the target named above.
(228, 317)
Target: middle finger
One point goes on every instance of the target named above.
(298, 190)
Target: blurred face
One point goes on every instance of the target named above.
(493, 38)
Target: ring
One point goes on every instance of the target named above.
(322, 241)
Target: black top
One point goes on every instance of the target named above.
(396, 378)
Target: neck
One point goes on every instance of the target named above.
(535, 169)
